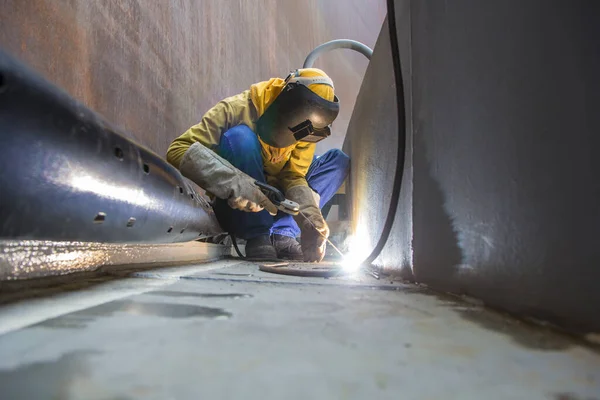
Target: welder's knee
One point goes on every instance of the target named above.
(338, 158)
(240, 139)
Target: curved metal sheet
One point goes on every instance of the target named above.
(67, 174)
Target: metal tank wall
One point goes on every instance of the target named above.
(372, 144)
(504, 200)
(154, 67)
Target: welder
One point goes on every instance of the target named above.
(268, 134)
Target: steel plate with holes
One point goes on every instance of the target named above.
(323, 269)
(68, 175)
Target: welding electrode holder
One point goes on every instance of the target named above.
(278, 199)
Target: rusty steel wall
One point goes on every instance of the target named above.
(154, 67)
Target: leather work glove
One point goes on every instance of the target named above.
(217, 176)
(313, 240)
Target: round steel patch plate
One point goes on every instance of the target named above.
(322, 270)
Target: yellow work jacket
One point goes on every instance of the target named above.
(284, 168)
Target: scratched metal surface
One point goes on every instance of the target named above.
(153, 68)
(29, 259)
(226, 330)
(505, 168)
(501, 202)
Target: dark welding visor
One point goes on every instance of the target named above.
(297, 114)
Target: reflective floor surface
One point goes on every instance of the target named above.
(227, 330)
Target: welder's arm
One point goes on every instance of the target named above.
(219, 177)
(224, 115)
(192, 154)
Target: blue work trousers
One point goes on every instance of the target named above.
(240, 146)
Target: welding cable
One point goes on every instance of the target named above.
(235, 246)
(401, 114)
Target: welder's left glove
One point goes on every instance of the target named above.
(217, 176)
(313, 228)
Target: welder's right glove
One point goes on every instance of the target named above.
(313, 228)
(217, 176)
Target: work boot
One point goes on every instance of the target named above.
(287, 248)
(260, 249)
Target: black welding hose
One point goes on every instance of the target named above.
(235, 246)
(401, 113)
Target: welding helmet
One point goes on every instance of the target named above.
(297, 113)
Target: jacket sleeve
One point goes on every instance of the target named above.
(226, 114)
(295, 170)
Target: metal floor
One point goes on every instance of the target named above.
(225, 330)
